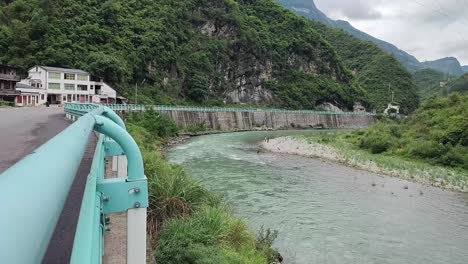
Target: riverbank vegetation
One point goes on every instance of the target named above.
(186, 222)
(430, 146)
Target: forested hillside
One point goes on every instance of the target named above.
(429, 83)
(459, 85)
(208, 52)
(375, 71)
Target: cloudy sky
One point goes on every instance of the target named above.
(427, 29)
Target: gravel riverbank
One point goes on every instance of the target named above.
(412, 171)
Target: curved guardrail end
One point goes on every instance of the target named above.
(127, 143)
(109, 113)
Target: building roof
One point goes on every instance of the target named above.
(65, 70)
(25, 86)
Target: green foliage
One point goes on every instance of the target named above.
(196, 128)
(377, 140)
(436, 133)
(458, 85)
(211, 235)
(265, 239)
(155, 123)
(428, 82)
(6, 104)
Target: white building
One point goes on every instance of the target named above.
(29, 96)
(61, 85)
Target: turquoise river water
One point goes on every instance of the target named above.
(326, 212)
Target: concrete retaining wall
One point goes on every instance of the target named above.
(234, 121)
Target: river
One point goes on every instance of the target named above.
(325, 212)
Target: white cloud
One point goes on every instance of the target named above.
(427, 29)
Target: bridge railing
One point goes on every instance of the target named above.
(118, 107)
(34, 191)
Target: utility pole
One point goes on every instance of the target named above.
(390, 92)
(136, 93)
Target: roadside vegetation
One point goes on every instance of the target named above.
(431, 146)
(186, 222)
(4, 104)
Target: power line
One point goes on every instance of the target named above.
(441, 11)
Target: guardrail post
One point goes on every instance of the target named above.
(136, 223)
(136, 217)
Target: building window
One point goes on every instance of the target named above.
(54, 75)
(69, 76)
(69, 87)
(82, 77)
(42, 96)
(92, 87)
(82, 87)
(54, 86)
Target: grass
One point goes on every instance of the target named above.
(348, 146)
(4, 104)
(186, 222)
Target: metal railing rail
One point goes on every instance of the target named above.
(35, 189)
(118, 107)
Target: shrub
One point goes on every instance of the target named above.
(155, 123)
(427, 149)
(376, 144)
(211, 235)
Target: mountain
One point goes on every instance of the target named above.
(465, 69)
(308, 9)
(447, 65)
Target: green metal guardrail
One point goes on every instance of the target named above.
(117, 107)
(33, 191)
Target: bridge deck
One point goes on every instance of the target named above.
(22, 130)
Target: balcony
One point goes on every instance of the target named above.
(8, 77)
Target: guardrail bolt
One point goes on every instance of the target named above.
(107, 220)
(105, 198)
(108, 229)
(137, 190)
(137, 204)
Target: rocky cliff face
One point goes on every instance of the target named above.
(243, 71)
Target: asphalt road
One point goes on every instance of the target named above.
(22, 130)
